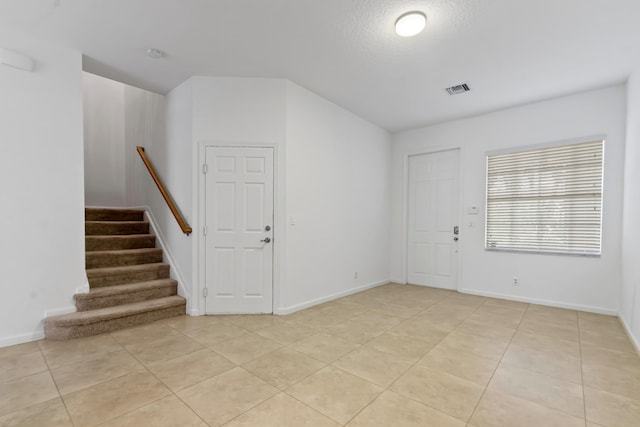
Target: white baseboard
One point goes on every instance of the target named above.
(174, 271)
(550, 303)
(311, 303)
(21, 338)
(397, 280)
(194, 312)
(39, 333)
(632, 338)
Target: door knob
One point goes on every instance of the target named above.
(266, 240)
(455, 239)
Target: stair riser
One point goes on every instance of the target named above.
(55, 332)
(99, 281)
(98, 260)
(112, 215)
(119, 251)
(115, 228)
(126, 298)
(102, 243)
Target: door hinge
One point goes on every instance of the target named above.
(205, 292)
(205, 168)
(204, 230)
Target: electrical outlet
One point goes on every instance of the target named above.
(515, 281)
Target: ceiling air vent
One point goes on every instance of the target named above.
(454, 90)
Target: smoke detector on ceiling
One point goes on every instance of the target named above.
(461, 88)
(154, 53)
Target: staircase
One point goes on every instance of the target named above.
(130, 284)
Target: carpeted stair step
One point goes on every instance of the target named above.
(125, 294)
(94, 322)
(110, 276)
(104, 214)
(93, 228)
(100, 259)
(109, 243)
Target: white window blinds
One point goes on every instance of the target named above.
(546, 200)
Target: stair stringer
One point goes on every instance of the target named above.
(174, 271)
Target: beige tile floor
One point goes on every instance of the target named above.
(395, 355)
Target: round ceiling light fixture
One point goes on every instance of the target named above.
(411, 24)
(154, 53)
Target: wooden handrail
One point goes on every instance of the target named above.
(167, 198)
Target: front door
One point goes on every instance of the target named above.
(239, 230)
(432, 253)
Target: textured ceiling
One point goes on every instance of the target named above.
(510, 52)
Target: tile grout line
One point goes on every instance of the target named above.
(145, 368)
(497, 366)
(368, 309)
(330, 364)
(159, 380)
(388, 388)
(256, 375)
(584, 394)
(236, 366)
(60, 396)
(206, 379)
(199, 382)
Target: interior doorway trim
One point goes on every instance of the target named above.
(279, 208)
(405, 209)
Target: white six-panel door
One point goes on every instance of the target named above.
(238, 220)
(432, 253)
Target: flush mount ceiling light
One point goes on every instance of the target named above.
(154, 53)
(411, 24)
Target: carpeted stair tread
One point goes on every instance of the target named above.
(109, 276)
(130, 285)
(123, 294)
(127, 241)
(93, 228)
(93, 316)
(94, 322)
(106, 214)
(117, 258)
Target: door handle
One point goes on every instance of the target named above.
(455, 239)
(266, 240)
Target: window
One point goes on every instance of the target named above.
(546, 200)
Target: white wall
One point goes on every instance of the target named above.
(576, 282)
(104, 142)
(172, 159)
(332, 173)
(242, 112)
(630, 294)
(338, 175)
(239, 110)
(41, 183)
(117, 118)
(145, 125)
